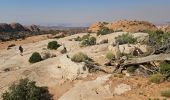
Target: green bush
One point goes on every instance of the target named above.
(158, 37)
(78, 38)
(26, 90)
(35, 57)
(104, 30)
(166, 93)
(79, 57)
(165, 68)
(110, 56)
(125, 38)
(156, 78)
(53, 45)
(89, 41)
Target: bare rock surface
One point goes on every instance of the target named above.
(90, 90)
(122, 88)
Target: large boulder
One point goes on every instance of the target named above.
(72, 70)
(128, 48)
(141, 37)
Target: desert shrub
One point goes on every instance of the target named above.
(53, 45)
(104, 30)
(88, 41)
(165, 68)
(79, 57)
(26, 90)
(125, 38)
(158, 37)
(110, 56)
(35, 57)
(78, 38)
(131, 69)
(166, 93)
(156, 78)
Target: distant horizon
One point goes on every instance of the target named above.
(82, 12)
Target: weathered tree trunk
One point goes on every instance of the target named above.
(117, 51)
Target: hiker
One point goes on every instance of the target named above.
(21, 50)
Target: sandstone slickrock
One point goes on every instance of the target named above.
(90, 90)
(125, 26)
(122, 88)
(72, 70)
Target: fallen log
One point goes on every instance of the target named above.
(142, 61)
(151, 58)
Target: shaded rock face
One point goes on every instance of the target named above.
(33, 28)
(5, 27)
(125, 25)
(17, 27)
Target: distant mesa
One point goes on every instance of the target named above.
(17, 27)
(124, 25)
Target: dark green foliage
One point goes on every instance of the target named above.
(26, 90)
(104, 30)
(86, 40)
(166, 93)
(158, 37)
(53, 45)
(156, 78)
(35, 57)
(165, 68)
(79, 57)
(125, 38)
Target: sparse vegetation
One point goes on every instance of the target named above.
(35, 57)
(165, 68)
(158, 37)
(104, 30)
(156, 78)
(88, 41)
(79, 57)
(26, 90)
(125, 38)
(53, 45)
(110, 56)
(166, 93)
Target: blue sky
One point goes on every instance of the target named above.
(82, 11)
